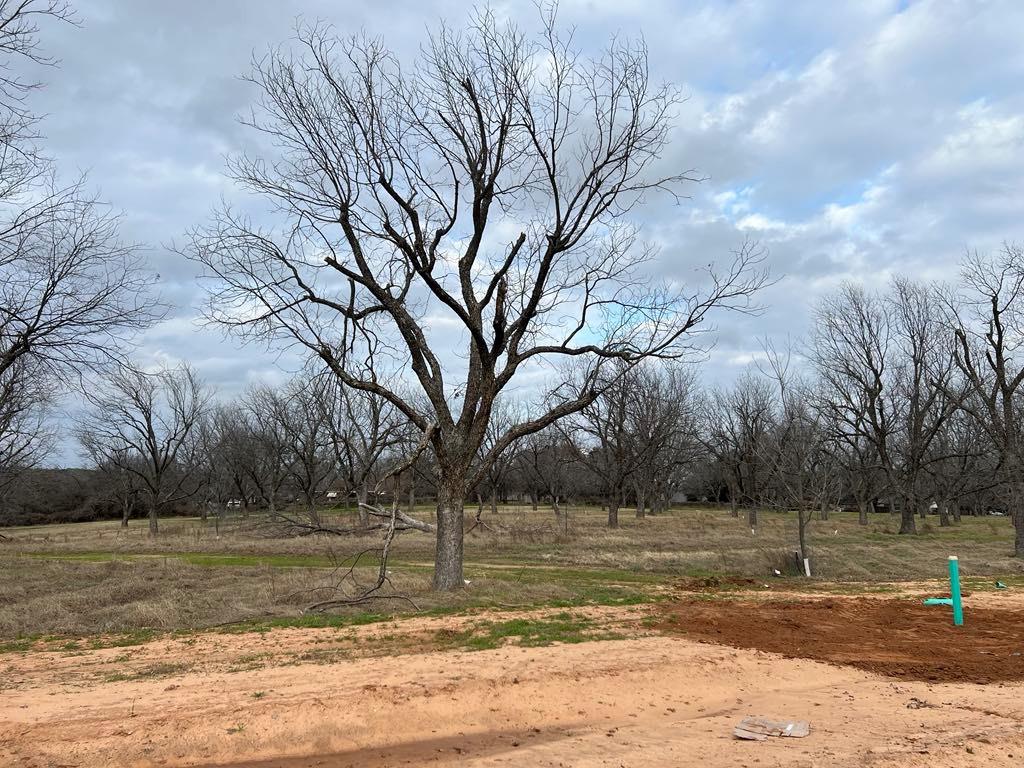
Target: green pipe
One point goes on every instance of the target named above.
(954, 590)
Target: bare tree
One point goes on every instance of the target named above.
(306, 424)
(736, 424)
(269, 461)
(888, 377)
(399, 188)
(145, 424)
(21, 163)
(958, 465)
(121, 487)
(494, 475)
(230, 455)
(603, 436)
(26, 434)
(544, 461)
(989, 337)
(364, 427)
(664, 434)
(70, 291)
(798, 454)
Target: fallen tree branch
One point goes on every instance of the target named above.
(396, 521)
(398, 516)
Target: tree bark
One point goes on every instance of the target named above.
(752, 516)
(449, 542)
(494, 501)
(862, 512)
(641, 504)
(613, 513)
(944, 521)
(907, 524)
(154, 522)
(802, 521)
(363, 496)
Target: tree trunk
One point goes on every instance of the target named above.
(944, 521)
(126, 511)
(154, 522)
(802, 521)
(907, 524)
(363, 496)
(641, 504)
(494, 501)
(412, 500)
(613, 512)
(554, 503)
(533, 501)
(956, 512)
(752, 516)
(862, 512)
(823, 509)
(448, 544)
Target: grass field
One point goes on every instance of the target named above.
(90, 578)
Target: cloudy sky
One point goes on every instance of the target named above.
(853, 139)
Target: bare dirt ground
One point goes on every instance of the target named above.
(900, 638)
(298, 698)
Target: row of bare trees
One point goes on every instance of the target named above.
(907, 397)
(163, 442)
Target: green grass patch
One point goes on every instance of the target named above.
(527, 632)
(20, 645)
(152, 671)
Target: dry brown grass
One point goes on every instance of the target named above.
(92, 577)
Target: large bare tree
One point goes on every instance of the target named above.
(465, 219)
(71, 292)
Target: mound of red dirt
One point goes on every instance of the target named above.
(715, 583)
(897, 638)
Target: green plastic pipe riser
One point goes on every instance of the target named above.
(954, 590)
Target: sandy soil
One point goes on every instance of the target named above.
(284, 700)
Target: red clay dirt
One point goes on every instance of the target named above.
(900, 638)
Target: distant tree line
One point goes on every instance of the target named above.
(902, 400)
